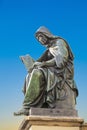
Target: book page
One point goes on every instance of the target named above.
(28, 61)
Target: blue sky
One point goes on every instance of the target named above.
(19, 19)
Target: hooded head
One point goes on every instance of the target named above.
(43, 35)
(45, 32)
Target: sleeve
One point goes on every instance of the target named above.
(60, 52)
(43, 57)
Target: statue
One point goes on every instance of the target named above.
(50, 80)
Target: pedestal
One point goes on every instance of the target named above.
(53, 122)
(84, 126)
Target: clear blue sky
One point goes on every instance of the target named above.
(19, 19)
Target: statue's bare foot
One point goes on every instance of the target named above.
(22, 112)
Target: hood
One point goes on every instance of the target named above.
(45, 31)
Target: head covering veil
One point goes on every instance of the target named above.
(43, 30)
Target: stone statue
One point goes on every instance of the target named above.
(50, 80)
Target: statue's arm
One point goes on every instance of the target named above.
(62, 55)
(43, 57)
(49, 63)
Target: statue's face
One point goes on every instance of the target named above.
(42, 39)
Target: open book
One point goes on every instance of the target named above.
(28, 61)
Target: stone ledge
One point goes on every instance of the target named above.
(84, 126)
(30, 121)
(55, 121)
(53, 112)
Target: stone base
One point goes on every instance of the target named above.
(52, 123)
(50, 119)
(53, 128)
(84, 126)
(53, 112)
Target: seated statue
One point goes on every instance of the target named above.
(50, 81)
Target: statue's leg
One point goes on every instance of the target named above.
(24, 89)
(35, 88)
(35, 92)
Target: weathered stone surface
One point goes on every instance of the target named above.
(24, 125)
(84, 127)
(56, 122)
(53, 112)
(50, 79)
(35, 127)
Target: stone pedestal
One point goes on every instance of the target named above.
(53, 112)
(84, 126)
(53, 122)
